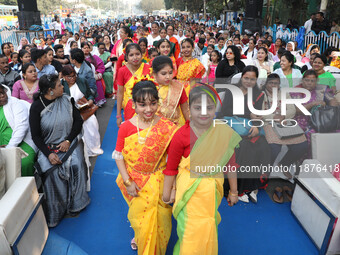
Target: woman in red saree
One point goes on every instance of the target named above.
(140, 156)
(117, 50)
(133, 70)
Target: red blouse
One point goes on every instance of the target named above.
(181, 144)
(125, 130)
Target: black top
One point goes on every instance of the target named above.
(304, 69)
(224, 70)
(227, 104)
(34, 119)
(57, 65)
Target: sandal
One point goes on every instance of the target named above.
(133, 244)
(278, 196)
(289, 192)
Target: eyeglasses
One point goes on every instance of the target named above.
(229, 53)
(71, 77)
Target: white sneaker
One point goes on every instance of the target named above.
(253, 196)
(243, 198)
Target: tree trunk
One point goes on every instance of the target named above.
(323, 6)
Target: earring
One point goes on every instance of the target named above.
(51, 93)
(133, 106)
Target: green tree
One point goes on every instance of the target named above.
(8, 2)
(168, 4)
(150, 5)
(48, 6)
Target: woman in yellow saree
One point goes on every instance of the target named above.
(140, 156)
(133, 70)
(173, 103)
(188, 67)
(200, 152)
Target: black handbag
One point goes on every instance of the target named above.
(326, 119)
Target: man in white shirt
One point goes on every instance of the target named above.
(309, 23)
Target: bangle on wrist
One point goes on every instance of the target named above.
(68, 141)
(128, 182)
(118, 116)
(233, 194)
(166, 202)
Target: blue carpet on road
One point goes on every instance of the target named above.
(103, 228)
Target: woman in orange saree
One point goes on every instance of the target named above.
(133, 70)
(188, 67)
(140, 156)
(173, 103)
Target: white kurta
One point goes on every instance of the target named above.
(16, 112)
(90, 127)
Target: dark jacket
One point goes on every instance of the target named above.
(319, 26)
(9, 78)
(86, 73)
(83, 87)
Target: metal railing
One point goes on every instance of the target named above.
(322, 39)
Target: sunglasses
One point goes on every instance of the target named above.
(229, 53)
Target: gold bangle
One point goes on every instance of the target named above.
(233, 194)
(127, 183)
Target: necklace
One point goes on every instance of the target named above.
(142, 140)
(44, 104)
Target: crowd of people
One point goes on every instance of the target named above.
(158, 70)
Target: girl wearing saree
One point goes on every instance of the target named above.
(164, 49)
(173, 99)
(117, 50)
(14, 129)
(99, 70)
(134, 69)
(143, 44)
(188, 67)
(140, 156)
(56, 123)
(108, 74)
(197, 194)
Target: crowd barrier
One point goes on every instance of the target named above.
(304, 39)
(15, 36)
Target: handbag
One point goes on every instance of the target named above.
(325, 119)
(86, 111)
(240, 125)
(287, 131)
